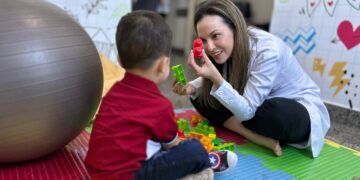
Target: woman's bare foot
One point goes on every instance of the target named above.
(233, 124)
(276, 148)
(267, 142)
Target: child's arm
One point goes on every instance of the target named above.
(176, 140)
(171, 144)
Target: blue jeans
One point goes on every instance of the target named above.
(186, 158)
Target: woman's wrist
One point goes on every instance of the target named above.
(192, 91)
(217, 81)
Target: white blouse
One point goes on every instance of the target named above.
(275, 72)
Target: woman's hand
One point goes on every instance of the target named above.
(206, 70)
(188, 89)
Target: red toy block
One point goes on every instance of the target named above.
(181, 134)
(176, 117)
(197, 48)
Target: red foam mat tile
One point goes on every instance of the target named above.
(66, 163)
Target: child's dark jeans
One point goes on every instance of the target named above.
(188, 157)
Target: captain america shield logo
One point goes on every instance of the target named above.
(214, 160)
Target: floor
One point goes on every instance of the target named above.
(345, 124)
(254, 162)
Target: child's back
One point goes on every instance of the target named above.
(129, 117)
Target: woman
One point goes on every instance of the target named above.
(251, 83)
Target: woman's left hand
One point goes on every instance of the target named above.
(206, 70)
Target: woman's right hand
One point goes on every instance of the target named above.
(181, 90)
(206, 70)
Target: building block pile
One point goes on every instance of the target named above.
(199, 128)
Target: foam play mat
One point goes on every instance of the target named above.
(254, 162)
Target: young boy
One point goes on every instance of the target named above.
(135, 123)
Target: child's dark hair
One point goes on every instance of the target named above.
(141, 38)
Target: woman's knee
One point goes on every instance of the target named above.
(288, 118)
(216, 117)
(281, 109)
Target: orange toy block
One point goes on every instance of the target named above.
(207, 143)
(195, 135)
(195, 119)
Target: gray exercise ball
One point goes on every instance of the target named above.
(50, 79)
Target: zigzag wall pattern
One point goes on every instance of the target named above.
(300, 40)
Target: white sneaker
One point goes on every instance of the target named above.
(222, 160)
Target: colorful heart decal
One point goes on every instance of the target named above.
(348, 35)
(311, 5)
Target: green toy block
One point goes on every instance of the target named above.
(225, 146)
(187, 133)
(179, 75)
(216, 141)
(204, 128)
(183, 124)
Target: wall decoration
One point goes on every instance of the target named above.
(324, 35)
(99, 18)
